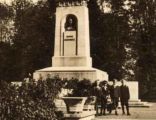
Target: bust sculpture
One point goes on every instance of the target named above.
(70, 24)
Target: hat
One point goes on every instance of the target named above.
(103, 82)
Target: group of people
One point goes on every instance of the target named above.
(109, 96)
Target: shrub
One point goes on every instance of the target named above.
(81, 88)
(32, 100)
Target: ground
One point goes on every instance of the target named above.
(136, 113)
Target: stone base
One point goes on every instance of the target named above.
(85, 115)
(134, 95)
(139, 103)
(133, 89)
(72, 72)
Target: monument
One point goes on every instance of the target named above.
(72, 48)
(72, 45)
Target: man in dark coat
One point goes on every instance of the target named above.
(115, 94)
(124, 96)
(104, 96)
(97, 93)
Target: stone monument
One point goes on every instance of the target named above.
(72, 48)
(72, 45)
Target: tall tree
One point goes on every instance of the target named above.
(144, 30)
(33, 40)
(109, 35)
(5, 39)
(6, 15)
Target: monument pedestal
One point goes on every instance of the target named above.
(80, 73)
(133, 89)
(134, 95)
(72, 45)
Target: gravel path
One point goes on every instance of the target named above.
(136, 113)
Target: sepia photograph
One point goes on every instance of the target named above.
(77, 60)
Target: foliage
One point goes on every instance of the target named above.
(123, 43)
(34, 36)
(109, 35)
(81, 88)
(6, 11)
(122, 40)
(31, 100)
(144, 29)
(6, 27)
(71, 84)
(6, 61)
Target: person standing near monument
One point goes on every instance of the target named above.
(114, 94)
(104, 97)
(124, 96)
(97, 93)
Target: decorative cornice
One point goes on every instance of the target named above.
(69, 3)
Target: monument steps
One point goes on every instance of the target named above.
(139, 103)
(133, 103)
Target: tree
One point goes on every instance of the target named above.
(34, 36)
(6, 30)
(144, 30)
(5, 22)
(109, 35)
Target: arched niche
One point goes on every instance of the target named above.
(69, 29)
(71, 23)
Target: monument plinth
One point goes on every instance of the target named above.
(72, 45)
